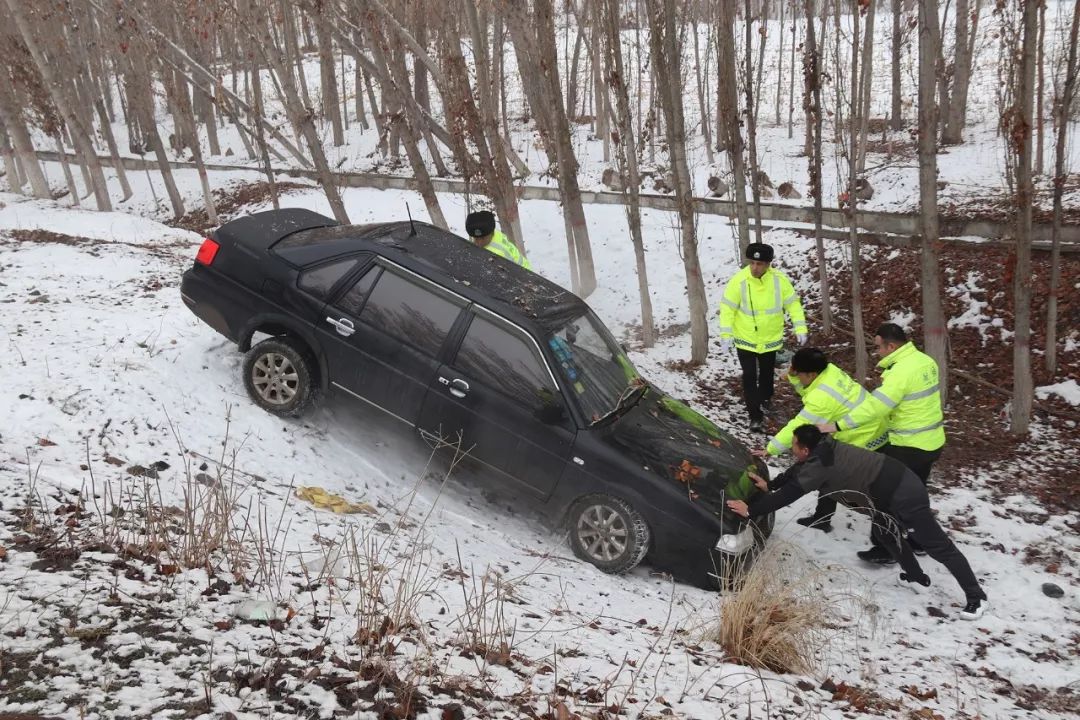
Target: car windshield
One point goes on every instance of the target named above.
(594, 366)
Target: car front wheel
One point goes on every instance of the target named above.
(608, 532)
(278, 376)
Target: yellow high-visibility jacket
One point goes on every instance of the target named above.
(501, 246)
(909, 400)
(832, 396)
(752, 310)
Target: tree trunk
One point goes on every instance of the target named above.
(1020, 135)
(73, 189)
(814, 119)
(934, 329)
(791, 76)
(11, 117)
(728, 100)
(751, 122)
(703, 106)
(954, 121)
(626, 157)
(896, 119)
(866, 78)
(780, 60)
(260, 135)
(665, 53)
(1040, 140)
(331, 108)
(856, 133)
(1064, 103)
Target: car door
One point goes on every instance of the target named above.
(499, 398)
(384, 334)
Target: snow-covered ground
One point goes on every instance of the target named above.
(112, 389)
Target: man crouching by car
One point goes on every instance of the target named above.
(872, 483)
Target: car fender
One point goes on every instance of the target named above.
(276, 324)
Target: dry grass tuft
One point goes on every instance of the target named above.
(782, 614)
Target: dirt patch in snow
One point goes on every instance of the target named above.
(230, 200)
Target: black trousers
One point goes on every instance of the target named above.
(909, 508)
(918, 461)
(757, 379)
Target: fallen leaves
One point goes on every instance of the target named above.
(915, 692)
(328, 501)
(687, 472)
(45, 442)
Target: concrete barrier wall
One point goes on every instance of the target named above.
(904, 227)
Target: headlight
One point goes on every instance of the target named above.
(737, 543)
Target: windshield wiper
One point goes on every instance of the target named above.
(628, 399)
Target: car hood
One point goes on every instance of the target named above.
(675, 442)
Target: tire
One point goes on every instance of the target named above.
(279, 377)
(729, 570)
(608, 532)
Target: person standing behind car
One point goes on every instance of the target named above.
(752, 318)
(480, 226)
(874, 483)
(909, 400)
(828, 393)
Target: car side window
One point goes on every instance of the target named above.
(503, 358)
(413, 314)
(321, 279)
(352, 301)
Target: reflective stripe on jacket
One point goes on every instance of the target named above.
(909, 400)
(832, 396)
(501, 246)
(752, 310)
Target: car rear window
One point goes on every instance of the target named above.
(403, 309)
(320, 280)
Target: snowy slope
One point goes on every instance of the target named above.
(105, 370)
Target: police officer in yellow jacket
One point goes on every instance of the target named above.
(909, 400)
(481, 228)
(752, 316)
(828, 394)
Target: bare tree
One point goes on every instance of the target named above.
(814, 120)
(866, 79)
(534, 45)
(954, 121)
(626, 156)
(1062, 106)
(934, 330)
(854, 125)
(727, 99)
(896, 119)
(12, 120)
(1020, 135)
(276, 58)
(61, 95)
(664, 44)
(751, 121)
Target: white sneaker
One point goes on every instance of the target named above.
(975, 609)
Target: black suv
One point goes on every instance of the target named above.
(469, 348)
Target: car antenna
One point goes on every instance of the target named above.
(412, 225)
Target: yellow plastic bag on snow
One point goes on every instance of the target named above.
(326, 501)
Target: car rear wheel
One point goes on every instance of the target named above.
(278, 376)
(608, 532)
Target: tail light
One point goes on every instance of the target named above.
(207, 252)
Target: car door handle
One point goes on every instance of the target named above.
(458, 387)
(344, 326)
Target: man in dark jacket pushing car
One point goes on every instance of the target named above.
(875, 484)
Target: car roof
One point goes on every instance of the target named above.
(450, 260)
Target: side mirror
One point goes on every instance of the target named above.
(551, 413)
